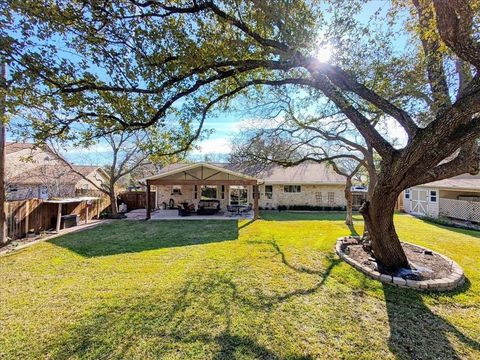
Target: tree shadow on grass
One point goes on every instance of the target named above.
(265, 301)
(201, 320)
(132, 236)
(416, 332)
(205, 316)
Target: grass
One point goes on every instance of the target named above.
(270, 289)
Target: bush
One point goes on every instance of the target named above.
(310, 208)
(107, 215)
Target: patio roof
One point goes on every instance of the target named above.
(200, 174)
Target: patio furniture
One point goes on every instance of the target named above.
(186, 209)
(246, 209)
(232, 210)
(208, 207)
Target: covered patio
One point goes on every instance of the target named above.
(201, 189)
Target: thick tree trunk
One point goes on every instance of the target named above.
(113, 201)
(378, 216)
(349, 201)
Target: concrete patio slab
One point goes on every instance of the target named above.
(140, 214)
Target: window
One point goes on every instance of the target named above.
(318, 197)
(268, 191)
(176, 190)
(209, 192)
(238, 195)
(407, 194)
(331, 198)
(195, 192)
(292, 188)
(433, 196)
(223, 192)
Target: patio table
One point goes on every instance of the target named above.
(238, 208)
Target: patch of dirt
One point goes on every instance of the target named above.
(13, 245)
(424, 265)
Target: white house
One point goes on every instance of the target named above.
(456, 198)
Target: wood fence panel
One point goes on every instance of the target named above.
(136, 199)
(35, 215)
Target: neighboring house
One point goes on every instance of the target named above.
(456, 198)
(310, 184)
(37, 172)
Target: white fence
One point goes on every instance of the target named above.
(460, 209)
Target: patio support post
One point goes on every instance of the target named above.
(255, 202)
(147, 202)
(59, 217)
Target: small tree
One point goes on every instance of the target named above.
(124, 156)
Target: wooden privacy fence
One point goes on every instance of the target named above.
(136, 199)
(460, 209)
(35, 215)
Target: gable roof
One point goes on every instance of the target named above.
(12, 147)
(305, 173)
(47, 174)
(173, 169)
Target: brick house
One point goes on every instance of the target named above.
(308, 184)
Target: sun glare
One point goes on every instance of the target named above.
(324, 52)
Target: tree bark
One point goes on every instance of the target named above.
(113, 200)
(349, 201)
(3, 119)
(378, 216)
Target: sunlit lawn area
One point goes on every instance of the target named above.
(268, 289)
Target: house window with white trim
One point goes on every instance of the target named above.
(292, 188)
(268, 191)
(433, 196)
(331, 198)
(407, 194)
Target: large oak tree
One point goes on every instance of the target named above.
(188, 57)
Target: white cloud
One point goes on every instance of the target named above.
(214, 146)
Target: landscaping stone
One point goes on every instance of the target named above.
(451, 281)
(385, 278)
(399, 281)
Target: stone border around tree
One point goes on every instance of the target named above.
(451, 282)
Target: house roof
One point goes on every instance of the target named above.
(460, 182)
(45, 174)
(306, 173)
(178, 168)
(12, 147)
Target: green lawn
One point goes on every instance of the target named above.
(269, 289)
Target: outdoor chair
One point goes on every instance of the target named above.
(186, 209)
(247, 209)
(231, 210)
